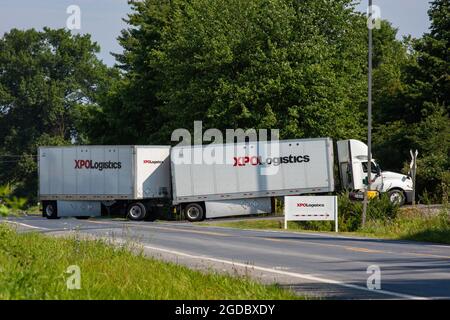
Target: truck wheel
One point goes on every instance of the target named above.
(136, 211)
(51, 210)
(194, 212)
(397, 197)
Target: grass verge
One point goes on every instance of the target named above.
(33, 266)
(407, 225)
(412, 225)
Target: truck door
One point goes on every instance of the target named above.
(346, 175)
(345, 165)
(351, 154)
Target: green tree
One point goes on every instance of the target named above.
(48, 79)
(391, 57)
(129, 112)
(417, 115)
(295, 65)
(273, 64)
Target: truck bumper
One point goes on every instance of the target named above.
(409, 196)
(359, 195)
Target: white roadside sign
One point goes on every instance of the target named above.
(310, 208)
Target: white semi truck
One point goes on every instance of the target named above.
(209, 181)
(353, 166)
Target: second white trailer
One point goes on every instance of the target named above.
(243, 178)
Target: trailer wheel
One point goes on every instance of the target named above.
(136, 211)
(194, 212)
(396, 196)
(51, 210)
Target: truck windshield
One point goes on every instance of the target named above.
(374, 168)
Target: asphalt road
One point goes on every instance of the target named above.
(314, 264)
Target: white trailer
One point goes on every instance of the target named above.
(81, 180)
(243, 178)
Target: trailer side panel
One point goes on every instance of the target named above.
(86, 173)
(251, 170)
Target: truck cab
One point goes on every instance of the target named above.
(353, 166)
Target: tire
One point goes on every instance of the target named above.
(136, 211)
(51, 210)
(194, 212)
(396, 196)
(82, 217)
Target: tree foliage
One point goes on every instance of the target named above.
(300, 66)
(415, 113)
(294, 65)
(47, 80)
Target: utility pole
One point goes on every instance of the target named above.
(370, 25)
(412, 171)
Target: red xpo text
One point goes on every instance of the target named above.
(153, 161)
(276, 161)
(89, 164)
(309, 205)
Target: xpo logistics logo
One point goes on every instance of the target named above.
(153, 161)
(310, 205)
(89, 164)
(276, 161)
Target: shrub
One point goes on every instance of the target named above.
(3, 210)
(8, 202)
(350, 212)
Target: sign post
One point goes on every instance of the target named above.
(412, 171)
(311, 208)
(285, 220)
(336, 220)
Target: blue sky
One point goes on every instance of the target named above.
(103, 18)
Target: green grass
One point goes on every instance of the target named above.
(33, 266)
(34, 210)
(10, 212)
(4, 211)
(408, 225)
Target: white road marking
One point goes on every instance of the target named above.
(26, 225)
(291, 274)
(440, 246)
(282, 239)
